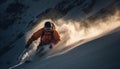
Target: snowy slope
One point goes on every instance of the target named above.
(65, 13)
(102, 53)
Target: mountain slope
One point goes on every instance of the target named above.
(102, 53)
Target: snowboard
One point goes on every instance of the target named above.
(40, 53)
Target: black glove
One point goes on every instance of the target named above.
(50, 46)
(27, 46)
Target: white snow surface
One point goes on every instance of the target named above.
(102, 53)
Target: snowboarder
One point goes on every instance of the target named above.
(48, 35)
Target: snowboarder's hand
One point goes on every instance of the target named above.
(50, 46)
(27, 46)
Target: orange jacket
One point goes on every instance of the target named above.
(37, 34)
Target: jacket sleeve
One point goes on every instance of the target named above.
(56, 37)
(35, 36)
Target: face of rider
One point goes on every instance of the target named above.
(47, 26)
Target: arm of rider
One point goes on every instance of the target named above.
(35, 36)
(56, 37)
